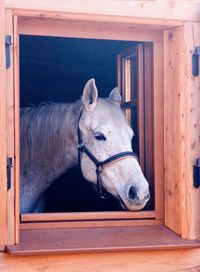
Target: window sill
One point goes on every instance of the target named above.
(48, 241)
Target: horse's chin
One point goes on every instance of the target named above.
(123, 205)
(131, 207)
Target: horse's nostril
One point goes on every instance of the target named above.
(132, 193)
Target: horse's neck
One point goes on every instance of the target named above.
(41, 172)
(72, 139)
(67, 157)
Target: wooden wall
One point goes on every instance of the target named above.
(159, 13)
(151, 261)
(152, 9)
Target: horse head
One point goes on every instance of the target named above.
(106, 134)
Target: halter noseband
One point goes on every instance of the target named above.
(99, 164)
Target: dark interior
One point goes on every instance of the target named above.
(56, 69)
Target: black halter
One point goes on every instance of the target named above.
(99, 164)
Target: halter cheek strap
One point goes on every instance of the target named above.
(99, 164)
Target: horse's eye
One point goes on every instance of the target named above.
(100, 137)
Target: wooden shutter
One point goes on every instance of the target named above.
(12, 128)
(3, 179)
(135, 79)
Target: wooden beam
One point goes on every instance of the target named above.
(151, 261)
(10, 132)
(82, 216)
(158, 127)
(16, 135)
(161, 12)
(95, 30)
(3, 151)
(89, 224)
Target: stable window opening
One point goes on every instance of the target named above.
(54, 69)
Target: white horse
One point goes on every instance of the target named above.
(51, 135)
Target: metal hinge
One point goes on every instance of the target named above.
(195, 62)
(9, 166)
(196, 173)
(8, 43)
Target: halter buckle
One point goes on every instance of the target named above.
(99, 169)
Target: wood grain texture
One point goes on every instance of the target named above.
(182, 126)
(190, 113)
(10, 132)
(45, 217)
(141, 106)
(16, 127)
(94, 30)
(158, 127)
(3, 151)
(173, 63)
(141, 261)
(148, 109)
(156, 10)
(90, 224)
(97, 240)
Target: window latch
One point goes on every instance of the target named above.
(8, 43)
(196, 174)
(9, 166)
(195, 62)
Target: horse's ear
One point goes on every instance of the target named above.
(115, 96)
(90, 95)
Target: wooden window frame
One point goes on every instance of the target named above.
(33, 26)
(65, 28)
(167, 45)
(44, 27)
